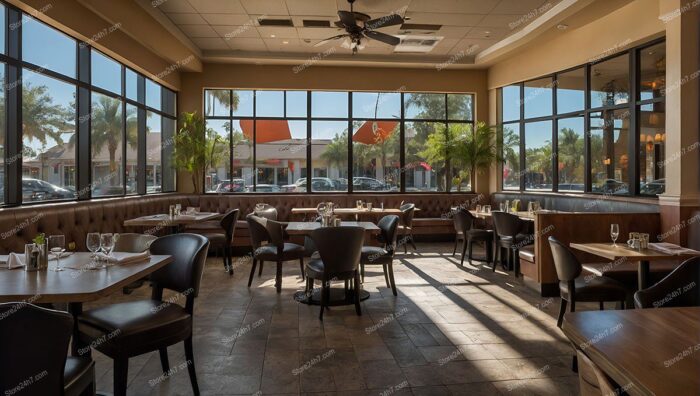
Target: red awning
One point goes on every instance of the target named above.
(422, 164)
(267, 131)
(373, 132)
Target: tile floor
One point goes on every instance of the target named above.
(451, 331)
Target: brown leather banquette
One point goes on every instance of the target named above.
(19, 225)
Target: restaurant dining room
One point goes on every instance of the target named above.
(350, 197)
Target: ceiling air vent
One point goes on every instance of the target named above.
(275, 22)
(416, 44)
(316, 23)
(420, 26)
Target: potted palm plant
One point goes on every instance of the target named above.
(196, 148)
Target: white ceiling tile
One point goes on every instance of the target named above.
(246, 44)
(318, 33)
(265, 7)
(187, 19)
(369, 6)
(515, 7)
(218, 6)
(198, 31)
(316, 7)
(457, 32)
(447, 43)
(277, 31)
(444, 19)
(278, 45)
(487, 33)
(229, 19)
(467, 43)
(245, 31)
(450, 6)
(505, 21)
(210, 43)
(176, 6)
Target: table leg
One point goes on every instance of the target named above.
(643, 275)
(75, 309)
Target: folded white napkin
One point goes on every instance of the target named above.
(15, 260)
(124, 257)
(670, 248)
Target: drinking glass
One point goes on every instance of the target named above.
(614, 233)
(107, 243)
(478, 208)
(93, 243)
(57, 245)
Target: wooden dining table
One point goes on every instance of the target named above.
(523, 215)
(307, 227)
(621, 252)
(645, 351)
(172, 222)
(81, 281)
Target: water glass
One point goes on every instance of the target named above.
(57, 245)
(614, 233)
(107, 243)
(478, 208)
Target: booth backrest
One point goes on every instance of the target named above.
(19, 225)
(577, 203)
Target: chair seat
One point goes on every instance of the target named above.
(78, 373)
(139, 323)
(592, 289)
(527, 253)
(316, 268)
(209, 225)
(290, 251)
(480, 234)
(519, 239)
(375, 255)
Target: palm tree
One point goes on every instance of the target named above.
(336, 152)
(107, 130)
(220, 95)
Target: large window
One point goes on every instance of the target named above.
(573, 131)
(82, 129)
(340, 141)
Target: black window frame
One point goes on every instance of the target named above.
(309, 118)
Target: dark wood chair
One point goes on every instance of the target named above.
(133, 243)
(266, 210)
(133, 328)
(592, 380)
(406, 226)
(339, 261)
(221, 239)
(575, 288)
(681, 288)
(509, 236)
(34, 343)
(467, 233)
(384, 256)
(265, 230)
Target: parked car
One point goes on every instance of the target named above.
(368, 184)
(317, 184)
(611, 186)
(40, 190)
(107, 190)
(271, 188)
(654, 187)
(234, 185)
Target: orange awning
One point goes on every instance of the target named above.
(267, 131)
(373, 132)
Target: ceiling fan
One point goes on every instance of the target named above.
(358, 25)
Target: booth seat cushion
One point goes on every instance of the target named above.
(527, 253)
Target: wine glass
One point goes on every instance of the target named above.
(93, 243)
(107, 243)
(614, 233)
(57, 245)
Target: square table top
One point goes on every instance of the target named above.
(306, 227)
(648, 351)
(523, 215)
(167, 221)
(353, 211)
(611, 252)
(74, 285)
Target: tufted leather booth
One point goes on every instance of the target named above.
(579, 202)
(19, 225)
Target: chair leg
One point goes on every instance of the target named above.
(574, 364)
(164, 359)
(390, 267)
(386, 276)
(189, 357)
(489, 251)
(516, 263)
(229, 257)
(573, 306)
(324, 301)
(405, 242)
(301, 266)
(464, 252)
(356, 292)
(362, 271)
(412, 242)
(121, 371)
(470, 247)
(601, 306)
(562, 310)
(622, 304)
(261, 267)
(252, 272)
(495, 258)
(278, 277)
(454, 251)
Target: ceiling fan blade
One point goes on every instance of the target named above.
(347, 18)
(383, 37)
(324, 41)
(387, 20)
